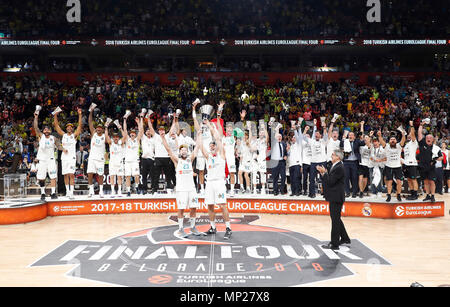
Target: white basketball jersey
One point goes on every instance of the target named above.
(132, 150)
(98, 147)
(216, 168)
(69, 143)
(185, 176)
(46, 150)
(229, 144)
(261, 147)
(116, 153)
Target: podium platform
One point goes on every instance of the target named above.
(33, 209)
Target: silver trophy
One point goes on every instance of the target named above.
(56, 111)
(206, 111)
(38, 109)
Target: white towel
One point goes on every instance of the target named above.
(347, 146)
(376, 176)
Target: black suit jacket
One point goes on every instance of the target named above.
(334, 185)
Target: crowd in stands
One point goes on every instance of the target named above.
(385, 104)
(219, 19)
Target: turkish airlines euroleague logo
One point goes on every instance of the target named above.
(255, 256)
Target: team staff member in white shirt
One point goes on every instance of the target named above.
(147, 158)
(318, 148)
(215, 190)
(96, 162)
(229, 143)
(363, 167)
(116, 163)
(46, 157)
(68, 156)
(294, 149)
(410, 162)
(333, 142)
(162, 160)
(307, 156)
(393, 166)
(377, 166)
(186, 193)
(132, 141)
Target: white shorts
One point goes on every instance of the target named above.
(245, 166)
(201, 163)
(132, 168)
(215, 192)
(231, 164)
(96, 167)
(68, 166)
(116, 169)
(46, 167)
(187, 200)
(260, 166)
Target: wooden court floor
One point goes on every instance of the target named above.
(418, 249)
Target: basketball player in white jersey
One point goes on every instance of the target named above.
(207, 138)
(116, 163)
(96, 162)
(132, 141)
(68, 156)
(410, 162)
(186, 193)
(260, 145)
(215, 191)
(393, 166)
(46, 157)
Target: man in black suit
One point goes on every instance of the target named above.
(334, 191)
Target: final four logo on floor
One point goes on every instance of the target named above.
(256, 256)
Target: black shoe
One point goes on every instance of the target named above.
(298, 194)
(312, 196)
(305, 193)
(211, 231)
(128, 194)
(43, 197)
(361, 194)
(330, 246)
(347, 194)
(413, 196)
(427, 198)
(354, 195)
(388, 198)
(344, 242)
(227, 235)
(53, 196)
(399, 198)
(432, 199)
(275, 193)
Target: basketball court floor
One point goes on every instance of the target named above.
(142, 249)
